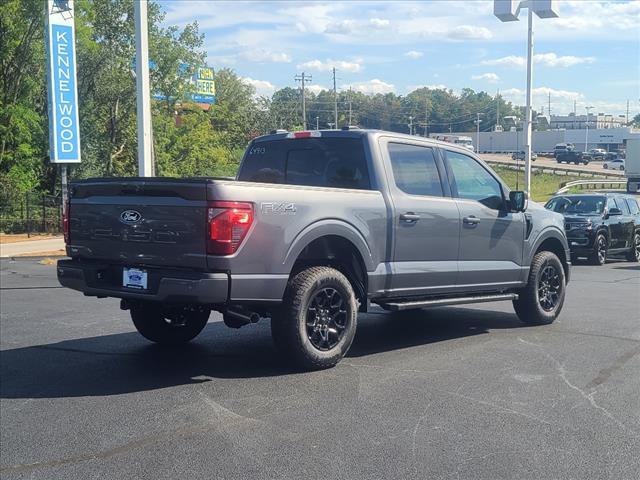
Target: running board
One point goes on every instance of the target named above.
(439, 302)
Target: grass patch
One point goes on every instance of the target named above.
(543, 185)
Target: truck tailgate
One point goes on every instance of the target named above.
(134, 221)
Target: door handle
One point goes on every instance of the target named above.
(409, 217)
(471, 220)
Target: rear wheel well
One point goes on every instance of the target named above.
(339, 253)
(555, 246)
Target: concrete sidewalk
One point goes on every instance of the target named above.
(32, 247)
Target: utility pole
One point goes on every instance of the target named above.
(586, 137)
(302, 79)
(497, 109)
(478, 132)
(335, 99)
(317, 123)
(143, 94)
(574, 114)
(549, 109)
(410, 125)
(350, 111)
(426, 117)
(627, 112)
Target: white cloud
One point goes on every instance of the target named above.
(379, 22)
(372, 87)
(553, 60)
(489, 77)
(413, 54)
(343, 27)
(262, 55)
(263, 87)
(548, 59)
(343, 65)
(508, 61)
(316, 89)
(469, 32)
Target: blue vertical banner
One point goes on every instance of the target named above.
(64, 125)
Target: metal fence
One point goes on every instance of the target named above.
(30, 213)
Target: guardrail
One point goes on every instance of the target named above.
(566, 186)
(556, 170)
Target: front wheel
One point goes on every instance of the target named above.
(540, 302)
(600, 247)
(318, 319)
(605, 166)
(169, 325)
(633, 255)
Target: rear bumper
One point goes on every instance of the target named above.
(165, 285)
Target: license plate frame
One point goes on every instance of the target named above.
(135, 278)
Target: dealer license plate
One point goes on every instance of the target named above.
(134, 278)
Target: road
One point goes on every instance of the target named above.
(34, 246)
(467, 393)
(593, 167)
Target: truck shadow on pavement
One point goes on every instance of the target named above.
(125, 362)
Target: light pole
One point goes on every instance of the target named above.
(143, 95)
(478, 132)
(508, 11)
(586, 124)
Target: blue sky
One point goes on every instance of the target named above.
(590, 54)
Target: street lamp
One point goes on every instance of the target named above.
(586, 124)
(508, 11)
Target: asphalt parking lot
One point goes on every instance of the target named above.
(446, 393)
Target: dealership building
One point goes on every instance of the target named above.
(610, 139)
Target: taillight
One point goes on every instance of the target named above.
(229, 223)
(66, 228)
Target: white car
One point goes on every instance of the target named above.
(617, 164)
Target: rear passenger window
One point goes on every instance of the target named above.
(623, 206)
(633, 206)
(338, 162)
(414, 169)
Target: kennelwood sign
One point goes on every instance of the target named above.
(64, 126)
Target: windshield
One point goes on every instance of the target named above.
(583, 205)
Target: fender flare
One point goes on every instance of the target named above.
(546, 234)
(329, 227)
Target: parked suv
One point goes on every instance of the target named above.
(562, 148)
(316, 227)
(571, 156)
(599, 225)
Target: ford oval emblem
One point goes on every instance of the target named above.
(130, 217)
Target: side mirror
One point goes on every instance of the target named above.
(517, 201)
(615, 211)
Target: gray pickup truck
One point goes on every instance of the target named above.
(316, 227)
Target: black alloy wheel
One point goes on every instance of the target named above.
(601, 250)
(634, 254)
(549, 287)
(327, 319)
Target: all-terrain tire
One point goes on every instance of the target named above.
(170, 326)
(293, 326)
(530, 306)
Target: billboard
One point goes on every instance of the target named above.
(64, 125)
(201, 78)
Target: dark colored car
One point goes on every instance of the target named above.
(571, 156)
(598, 225)
(521, 155)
